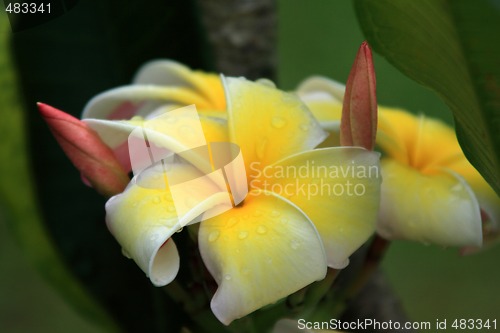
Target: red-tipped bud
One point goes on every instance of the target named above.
(359, 112)
(96, 161)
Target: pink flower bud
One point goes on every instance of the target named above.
(96, 161)
(359, 112)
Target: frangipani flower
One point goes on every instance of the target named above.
(430, 192)
(282, 237)
(447, 193)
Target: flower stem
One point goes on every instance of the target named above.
(203, 319)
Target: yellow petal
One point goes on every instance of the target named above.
(172, 73)
(258, 253)
(412, 140)
(437, 208)
(144, 217)
(337, 188)
(268, 124)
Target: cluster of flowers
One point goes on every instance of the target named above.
(271, 245)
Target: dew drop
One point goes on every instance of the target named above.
(278, 122)
(304, 127)
(295, 244)
(126, 254)
(257, 213)
(227, 277)
(243, 234)
(180, 230)
(275, 213)
(260, 148)
(170, 119)
(284, 220)
(261, 230)
(232, 221)
(266, 82)
(212, 237)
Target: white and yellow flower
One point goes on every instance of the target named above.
(276, 241)
(430, 192)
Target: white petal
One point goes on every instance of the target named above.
(437, 208)
(319, 87)
(138, 100)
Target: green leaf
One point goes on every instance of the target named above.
(18, 200)
(452, 47)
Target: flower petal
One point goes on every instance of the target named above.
(115, 133)
(412, 139)
(328, 114)
(258, 253)
(437, 208)
(144, 217)
(319, 85)
(171, 73)
(268, 124)
(337, 188)
(125, 102)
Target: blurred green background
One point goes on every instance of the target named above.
(314, 37)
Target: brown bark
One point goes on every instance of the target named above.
(242, 34)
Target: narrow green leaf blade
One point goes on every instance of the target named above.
(452, 47)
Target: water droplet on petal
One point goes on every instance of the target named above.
(260, 148)
(278, 122)
(212, 237)
(266, 82)
(227, 277)
(275, 213)
(232, 221)
(126, 254)
(243, 234)
(304, 127)
(257, 213)
(295, 244)
(180, 230)
(261, 230)
(284, 220)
